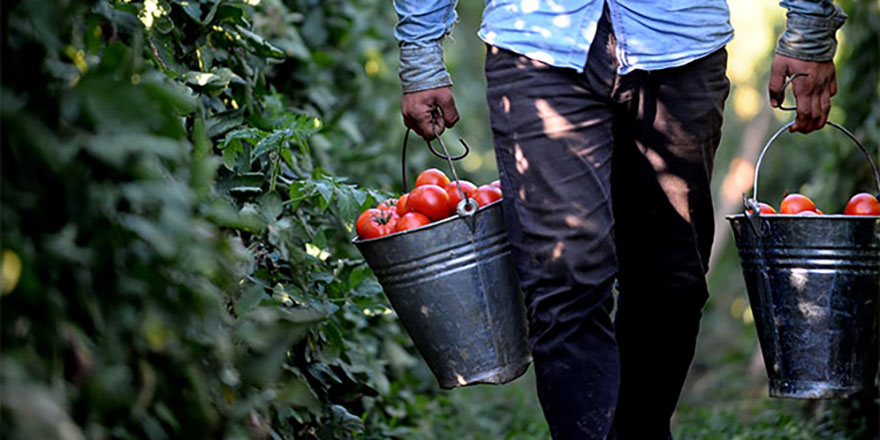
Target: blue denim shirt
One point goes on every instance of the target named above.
(651, 35)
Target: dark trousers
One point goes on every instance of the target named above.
(606, 178)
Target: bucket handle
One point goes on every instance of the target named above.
(467, 207)
(831, 123)
(754, 198)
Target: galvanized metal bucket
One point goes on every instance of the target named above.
(453, 286)
(813, 284)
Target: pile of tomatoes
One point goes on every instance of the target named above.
(433, 199)
(859, 204)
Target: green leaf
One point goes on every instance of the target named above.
(346, 420)
(298, 191)
(200, 136)
(369, 287)
(231, 154)
(358, 275)
(218, 78)
(163, 24)
(288, 158)
(333, 335)
(223, 122)
(247, 183)
(178, 96)
(325, 188)
(249, 218)
(192, 9)
(262, 47)
(226, 12)
(163, 49)
(348, 206)
(320, 240)
(249, 299)
(271, 142)
(360, 197)
(250, 134)
(270, 206)
(303, 315)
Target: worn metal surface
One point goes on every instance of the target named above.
(453, 286)
(813, 284)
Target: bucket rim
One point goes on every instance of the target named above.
(835, 217)
(356, 240)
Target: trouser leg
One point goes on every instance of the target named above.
(553, 143)
(666, 135)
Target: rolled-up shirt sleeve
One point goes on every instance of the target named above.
(421, 27)
(810, 30)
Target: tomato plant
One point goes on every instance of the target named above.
(432, 176)
(430, 200)
(862, 204)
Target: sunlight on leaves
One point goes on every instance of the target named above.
(151, 10)
(317, 252)
(11, 271)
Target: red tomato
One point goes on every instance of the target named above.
(796, 203)
(765, 209)
(432, 176)
(430, 200)
(374, 223)
(410, 221)
(389, 203)
(496, 183)
(401, 205)
(454, 197)
(487, 194)
(862, 204)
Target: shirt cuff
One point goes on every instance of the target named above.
(422, 66)
(811, 37)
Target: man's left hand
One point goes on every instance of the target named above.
(812, 92)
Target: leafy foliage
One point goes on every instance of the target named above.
(185, 263)
(174, 202)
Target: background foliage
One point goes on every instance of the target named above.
(182, 256)
(179, 181)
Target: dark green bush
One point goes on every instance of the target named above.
(185, 270)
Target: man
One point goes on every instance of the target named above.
(606, 117)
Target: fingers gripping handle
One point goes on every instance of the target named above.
(467, 208)
(782, 92)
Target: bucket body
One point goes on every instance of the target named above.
(454, 289)
(813, 284)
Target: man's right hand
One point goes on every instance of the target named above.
(419, 108)
(812, 93)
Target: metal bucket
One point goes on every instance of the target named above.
(453, 286)
(813, 284)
